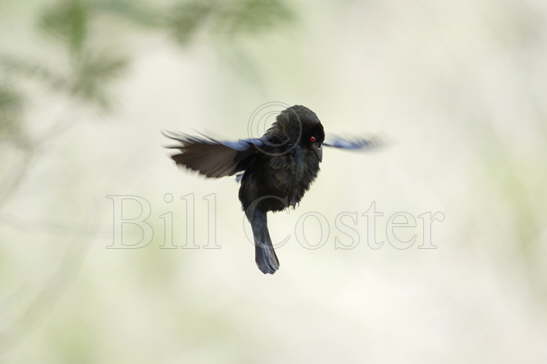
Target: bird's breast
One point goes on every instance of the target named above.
(292, 174)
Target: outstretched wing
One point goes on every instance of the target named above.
(352, 143)
(210, 157)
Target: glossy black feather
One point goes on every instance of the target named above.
(210, 157)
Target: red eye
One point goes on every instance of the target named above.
(313, 139)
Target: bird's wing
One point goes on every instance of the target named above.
(211, 157)
(352, 143)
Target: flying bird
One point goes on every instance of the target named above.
(275, 170)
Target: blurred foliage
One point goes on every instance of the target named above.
(73, 342)
(183, 20)
(186, 18)
(91, 65)
(515, 180)
(253, 16)
(28, 69)
(226, 19)
(68, 21)
(93, 72)
(11, 110)
(86, 65)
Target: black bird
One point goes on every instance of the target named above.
(276, 169)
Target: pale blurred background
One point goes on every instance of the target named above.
(458, 89)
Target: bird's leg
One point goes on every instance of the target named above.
(265, 256)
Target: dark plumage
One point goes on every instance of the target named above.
(277, 169)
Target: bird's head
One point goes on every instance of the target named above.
(299, 125)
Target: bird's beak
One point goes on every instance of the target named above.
(318, 151)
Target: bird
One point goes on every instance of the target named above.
(274, 171)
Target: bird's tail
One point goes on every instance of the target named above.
(265, 257)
